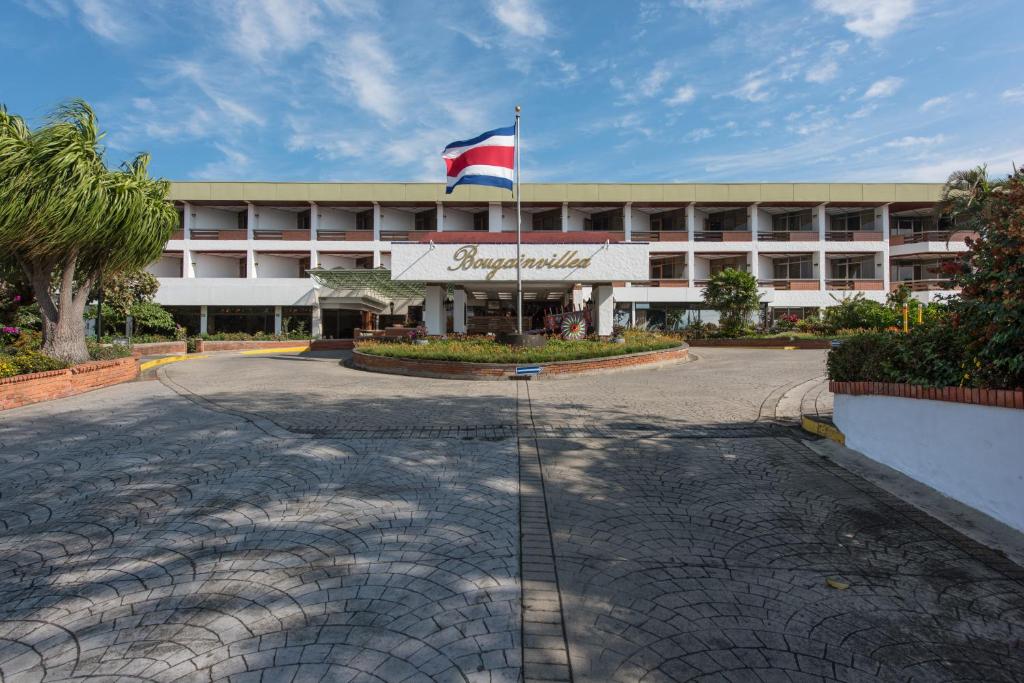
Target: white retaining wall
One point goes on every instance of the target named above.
(971, 453)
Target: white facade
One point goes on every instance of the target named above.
(251, 244)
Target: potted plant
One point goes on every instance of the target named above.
(617, 332)
(418, 336)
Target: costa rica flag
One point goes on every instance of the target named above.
(487, 159)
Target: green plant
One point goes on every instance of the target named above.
(856, 311)
(8, 368)
(733, 293)
(931, 354)
(36, 361)
(65, 217)
(107, 351)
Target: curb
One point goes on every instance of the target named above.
(821, 427)
(150, 364)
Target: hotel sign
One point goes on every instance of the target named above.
(583, 263)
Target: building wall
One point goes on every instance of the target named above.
(268, 265)
(208, 265)
(214, 219)
(332, 219)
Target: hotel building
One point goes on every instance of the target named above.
(334, 257)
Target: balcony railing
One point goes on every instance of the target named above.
(722, 236)
(926, 285)
(788, 236)
(660, 235)
(345, 235)
(394, 235)
(794, 284)
(291, 235)
(862, 285)
(854, 235)
(944, 236)
(177, 235)
(663, 282)
(219, 234)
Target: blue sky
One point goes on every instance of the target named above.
(653, 91)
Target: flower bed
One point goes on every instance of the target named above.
(485, 350)
(22, 390)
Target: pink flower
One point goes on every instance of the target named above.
(17, 298)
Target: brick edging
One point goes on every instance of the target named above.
(764, 343)
(447, 369)
(23, 390)
(204, 345)
(997, 398)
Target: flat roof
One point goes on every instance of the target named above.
(880, 193)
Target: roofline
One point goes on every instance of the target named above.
(878, 193)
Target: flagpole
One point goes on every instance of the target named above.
(519, 236)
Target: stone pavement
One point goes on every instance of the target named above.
(283, 518)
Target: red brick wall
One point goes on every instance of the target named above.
(457, 370)
(159, 348)
(331, 344)
(22, 390)
(207, 345)
(999, 398)
(765, 343)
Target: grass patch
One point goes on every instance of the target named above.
(485, 350)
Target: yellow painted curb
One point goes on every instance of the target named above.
(789, 348)
(822, 429)
(287, 349)
(164, 361)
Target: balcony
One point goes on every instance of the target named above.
(219, 234)
(855, 285)
(722, 236)
(177, 235)
(792, 284)
(663, 282)
(946, 236)
(788, 236)
(926, 285)
(660, 236)
(854, 236)
(290, 235)
(345, 235)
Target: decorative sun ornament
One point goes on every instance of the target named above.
(574, 326)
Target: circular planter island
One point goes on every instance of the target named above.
(471, 370)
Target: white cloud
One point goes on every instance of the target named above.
(367, 70)
(235, 165)
(521, 17)
(196, 72)
(698, 134)
(259, 30)
(886, 87)
(753, 88)
(1014, 94)
(935, 102)
(911, 141)
(653, 81)
(106, 20)
(870, 18)
(823, 72)
(713, 8)
(683, 95)
(863, 112)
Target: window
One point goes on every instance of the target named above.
(852, 269)
(668, 267)
(425, 220)
(791, 222)
(669, 221)
(794, 268)
(302, 220)
(481, 221)
(610, 221)
(548, 220)
(364, 220)
(851, 222)
(243, 220)
(718, 265)
(181, 219)
(727, 220)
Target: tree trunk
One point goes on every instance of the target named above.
(63, 318)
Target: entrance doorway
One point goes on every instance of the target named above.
(340, 323)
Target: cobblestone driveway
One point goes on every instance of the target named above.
(287, 519)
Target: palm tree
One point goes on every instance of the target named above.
(65, 217)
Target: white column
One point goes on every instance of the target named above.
(314, 229)
(691, 220)
(884, 219)
(377, 220)
(277, 320)
(565, 216)
(250, 251)
(316, 329)
(820, 218)
(604, 309)
(494, 217)
(459, 311)
(440, 217)
(627, 221)
(755, 260)
(203, 320)
(433, 309)
(188, 270)
(753, 221)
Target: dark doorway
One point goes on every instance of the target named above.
(340, 323)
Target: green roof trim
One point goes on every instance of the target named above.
(376, 281)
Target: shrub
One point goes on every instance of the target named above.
(36, 361)
(107, 351)
(733, 293)
(8, 368)
(932, 354)
(856, 311)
